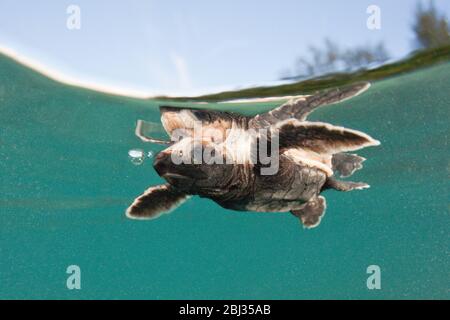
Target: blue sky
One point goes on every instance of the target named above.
(188, 47)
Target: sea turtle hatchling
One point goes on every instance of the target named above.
(309, 155)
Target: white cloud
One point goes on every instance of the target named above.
(184, 80)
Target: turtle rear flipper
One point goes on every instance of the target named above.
(145, 138)
(339, 185)
(154, 202)
(346, 164)
(312, 212)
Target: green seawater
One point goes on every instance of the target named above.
(66, 181)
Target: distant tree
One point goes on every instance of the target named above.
(304, 68)
(331, 58)
(285, 74)
(332, 55)
(361, 57)
(431, 28)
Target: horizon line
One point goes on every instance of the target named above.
(61, 77)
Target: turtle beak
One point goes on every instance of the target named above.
(165, 167)
(162, 163)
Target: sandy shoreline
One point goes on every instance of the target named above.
(267, 99)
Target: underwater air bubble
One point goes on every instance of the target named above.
(136, 156)
(150, 154)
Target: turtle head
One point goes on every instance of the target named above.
(189, 164)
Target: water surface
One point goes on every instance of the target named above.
(66, 180)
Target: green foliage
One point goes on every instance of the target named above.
(417, 60)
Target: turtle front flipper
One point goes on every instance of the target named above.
(300, 108)
(320, 137)
(154, 202)
(311, 212)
